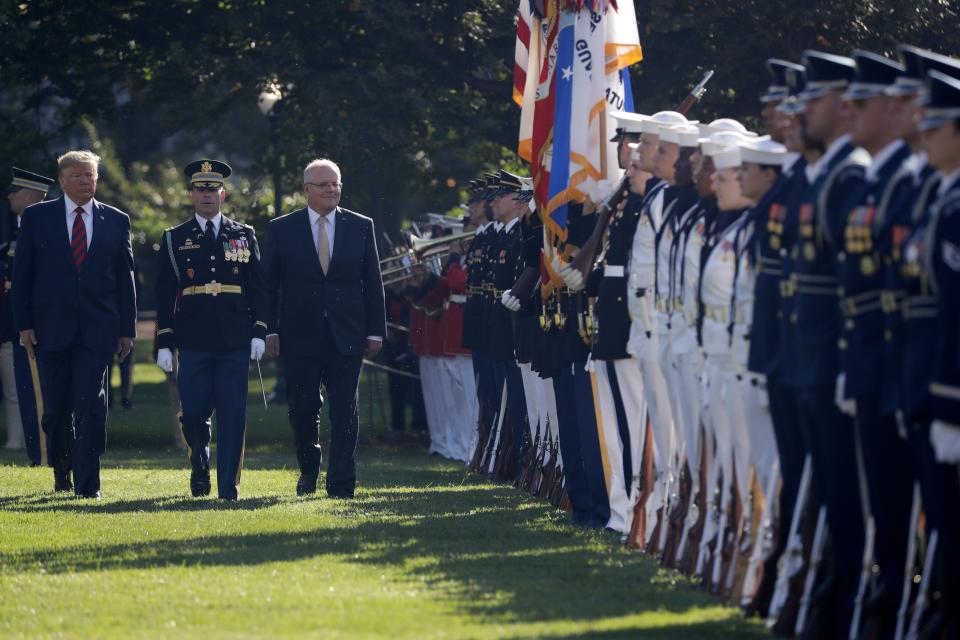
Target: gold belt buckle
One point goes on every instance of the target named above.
(212, 288)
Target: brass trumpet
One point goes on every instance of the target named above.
(426, 252)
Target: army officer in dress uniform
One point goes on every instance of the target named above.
(211, 299)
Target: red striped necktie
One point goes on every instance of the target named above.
(78, 240)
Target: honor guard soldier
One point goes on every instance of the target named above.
(941, 136)
(822, 215)
(211, 301)
(21, 380)
(619, 385)
(507, 267)
(910, 306)
(876, 128)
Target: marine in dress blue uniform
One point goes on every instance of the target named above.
(211, 302)
(26, 377)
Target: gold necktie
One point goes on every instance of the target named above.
(323, 245)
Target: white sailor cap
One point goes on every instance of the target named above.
(726, 158)
(724, 139)
(724, 124)
(685, 135)
(662, 119)
(628, 122)
(765, 152)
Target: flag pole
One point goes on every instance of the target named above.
(603, 141)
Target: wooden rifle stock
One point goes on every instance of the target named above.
(637, 538)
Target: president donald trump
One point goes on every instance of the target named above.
(75, 306)
(326, 314)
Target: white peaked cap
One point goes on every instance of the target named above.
(629, 122)
(763, 152)
(685, 135)
(727, 158)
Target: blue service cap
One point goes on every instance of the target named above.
(874, 74)
(23, 179)
(941, 103)
(826, 72)
(917, 62)
(779, 88)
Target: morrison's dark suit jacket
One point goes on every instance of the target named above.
(99, 304)
(349, 298)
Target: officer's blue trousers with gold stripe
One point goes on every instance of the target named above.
(208, 382)
(28, 392)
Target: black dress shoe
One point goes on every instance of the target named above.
(92, 495)
(339, 495)
(306, 486)
(61, 481)
(200, 482)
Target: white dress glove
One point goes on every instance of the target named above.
(257, 347)
(571, 277)
(601, 190)
(945, 439)
(847, 407)
(510, 301)
(165, 360)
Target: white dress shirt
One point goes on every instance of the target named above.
(87, 218)
(217, 219)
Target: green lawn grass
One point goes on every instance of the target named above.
(425, 551)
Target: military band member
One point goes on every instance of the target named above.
(21, 379)
(211, 308)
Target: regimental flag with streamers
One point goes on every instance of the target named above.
(581, 59)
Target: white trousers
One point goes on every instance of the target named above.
(622, 490)
(463, 407)
(436, 403)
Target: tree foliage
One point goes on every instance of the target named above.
(412, 98)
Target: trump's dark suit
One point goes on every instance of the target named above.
(323, 321)
(77, 317)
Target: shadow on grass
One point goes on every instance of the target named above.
(487, 547)
(64, 503)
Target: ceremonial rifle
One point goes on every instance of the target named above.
(923, 597)
(790, 563)
(816, 557)
(764, 544)
(911, 559)
(583, 261)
